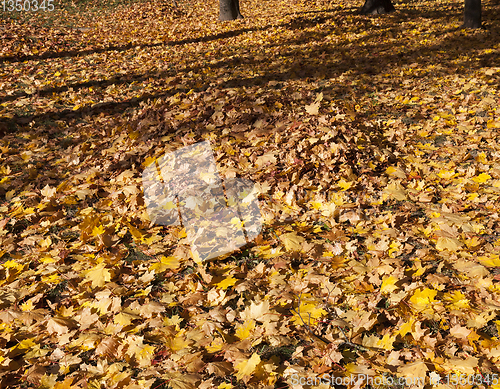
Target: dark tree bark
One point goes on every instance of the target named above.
(229, 10)
(472, 14)
(373, 7)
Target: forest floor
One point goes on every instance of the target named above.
(373, 144)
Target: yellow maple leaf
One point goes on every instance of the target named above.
(244, 330)
(344, 185)
(309, 312)
(356, 369)
(265, 159)
(35, 352)
(267, 252)
(137, 234)
(27, 306)
(46, 260)
(66, 384)
(461, 366)
(93, 384)
(245, 369)
(423, 299)
(48, 192)
(481, 158)
(227, 282)
(143, 353)
(406, 327)
(292, 241)
(450, 244)
(45, 243)
(386, 342)
(446, 174)
(414, 370)
(395, 190)
(259, 312)
(49, 381)
(25, 343)
(473, 196)
(12, 264)
(313, 109)
(374, 341)
(482, 178)
(315, 204)
(493, 124)
(53, 278)
(216, 345)
(492, 260)
(98, 230)
(388, 285)
(395, 171)
(473, 242)
(457, 300)
(124, 319)
(99, 275)
(168, 205)
(175, 320)
(178, 342)
(164, 264)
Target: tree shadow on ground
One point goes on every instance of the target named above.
(299, 23)
(361, 56)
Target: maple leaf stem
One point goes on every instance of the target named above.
(326, 341)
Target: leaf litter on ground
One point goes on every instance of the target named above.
(373, 143)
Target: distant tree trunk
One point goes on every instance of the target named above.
(373, 7)
(472, 14)
(229, 10)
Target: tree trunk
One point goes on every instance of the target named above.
(373, 7)
(229, 10)
(472, 14)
